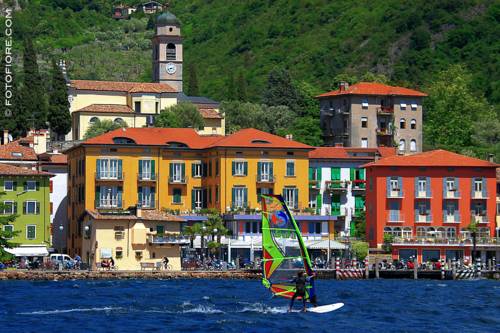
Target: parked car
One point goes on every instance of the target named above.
(65, 259)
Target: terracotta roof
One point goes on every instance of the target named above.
(433, 158)
(373, 88)
(350, 153)
(156, 137)
(209, 113)
(253, 138)
(147, 215)
(131, 87)
(52, 158)
(15, 151)
(6, 169)
(106, 108)
(498, 175)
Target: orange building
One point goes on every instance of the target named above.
(426, 203)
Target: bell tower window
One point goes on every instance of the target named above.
(170, 51)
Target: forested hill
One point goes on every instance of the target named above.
(231, 43)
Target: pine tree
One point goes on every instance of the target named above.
(193, 81)
(6, 235)
(151, 23)
(59, 116)
(281, 91)
(7, 120)
(241, 87)
(33, 99)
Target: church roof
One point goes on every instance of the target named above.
(130, 87)
(167, 18)
(106, 108)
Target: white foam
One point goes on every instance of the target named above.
(202, 309)
(261, 308)
(106, 308)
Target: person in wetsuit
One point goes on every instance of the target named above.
(300, 290)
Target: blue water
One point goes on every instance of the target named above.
(245, 306)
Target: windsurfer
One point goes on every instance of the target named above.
(300, 290)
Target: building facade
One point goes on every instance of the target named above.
(426, 205)
(26, 193)
(370, 115)
(182, 172)
(337, 182)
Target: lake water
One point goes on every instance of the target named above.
(246, 306)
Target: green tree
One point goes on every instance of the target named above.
(280, 90)
(151, 22)
(193, 89)
(5, 235)
(7, 112)
(59, 116)
(360, 226)
(181, 115)
(101, 127)
(307, 130)
(33, 98)
(360, 249)
(240, 86)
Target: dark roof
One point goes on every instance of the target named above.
(167, 18)
(198, 100)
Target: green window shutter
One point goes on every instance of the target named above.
(37, 184)
(37, 208)
(120, 169)
(177, 195)
(318, 172)
(98, 166)
(245, 168)
(319, 203)
(233, 196)
(160, 230)
(24, 207)
(140, 168)
(171, 170)
(193, 170)
(259, 167)
(335, 174)
(245, 197)
(183, 170)
(296, 199)
(362, 174)
(271, 169)
(193, 196)
(139, 194)
(311, 173)
(352, 172)
(120, 196)
(233, 166)
(153, 171)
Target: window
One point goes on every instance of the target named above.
(30, 231)
(240, 197)
(422, 185)
(450, 209)
(137, 107)
(177, 196)
(265, 171)
(450, 184)
(402, 145)
(109, 196)
(170, 51)
(119, 121)
(30, 186)
(93, 120)
(109, 169)
(240, 168)
(119, 253)
(413, 145)
(364, 122)
(252, 227)
(451, 232)
(364, 142)
(414, 106)
(290, 168)
(147, 169)
(177, 172)
(394, 184)
(291, 196)
(196, 169)
(413, 124)
(364, 103)
(403, 105)
(217, 167)
(216, 193)
(478, 185)
(8, 185)
(402, 123)
(8, 228)
(314, 228)
(263, 190)
(197, 198)
(147, 196)
(31, 207)
(422, 208)
(9, 207)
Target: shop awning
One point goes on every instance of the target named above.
(323, 245)
(29, 251)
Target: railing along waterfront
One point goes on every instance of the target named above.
(446, 241)
(171, 239)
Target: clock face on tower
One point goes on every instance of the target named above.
(171, 68)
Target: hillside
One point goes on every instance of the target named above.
(316, 40)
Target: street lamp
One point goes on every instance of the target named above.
(202, 243)
(61, 229)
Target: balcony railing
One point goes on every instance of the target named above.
(108, 204)
(479, 219)
(479, 195)
(168, 239)
(395, 193)
(423, 194)
(109, 175)
(265, 178)
(358, 184)
(146, 204)
(393, 217)
(445, 240)
(454, 194)
(336, 185)
(455, 218)
(177, 179)
(423, 218)
(384, 131)
(389, 110)
(146, 176)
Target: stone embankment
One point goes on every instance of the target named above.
(103, 275)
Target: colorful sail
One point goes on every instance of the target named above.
(283, 249)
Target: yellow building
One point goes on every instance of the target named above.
(137, 103)
(162, 169)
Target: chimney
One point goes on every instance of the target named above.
(5, 137)
(377, 156)
(339, 144)
(343, 86)
(289, 136)
(138, 211)
(491, 158)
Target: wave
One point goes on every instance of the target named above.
(106, 308)
(261, 308)
(203, 309)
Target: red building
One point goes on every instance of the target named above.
(427, 202)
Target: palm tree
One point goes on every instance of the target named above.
(191, 231)
(103, 126)
(472, 227)
(216, 228)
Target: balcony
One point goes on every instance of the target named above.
(479, 219)
(148, 204)
(384, 131)
(395, 217)
(395, 193)
(265, 178)
(455, 218)
(358, 185)
(108, 204)
(423, 195)
(445, 241)
(168, 240)
(451, 194)
(177, 179)
(385, 110)
(146, 177)
(109, 176)
(479, 195)
(336, 185)
(423, 218)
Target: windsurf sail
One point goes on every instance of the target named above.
(283, 249)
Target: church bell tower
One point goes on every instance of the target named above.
(167, 51)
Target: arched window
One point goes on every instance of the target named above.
(413, 145)
(421, 232)
(387, 230)
(119, 121)
(396, 232)
(451, 233)
(413, 124)
(93, 120)
(406, 232)
(402, 123)
(402, 145)
(431, 232)
(170, 51)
